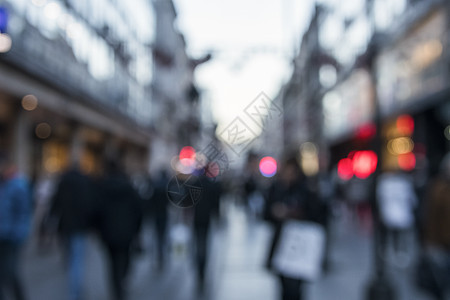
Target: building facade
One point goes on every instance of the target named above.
(75, 83)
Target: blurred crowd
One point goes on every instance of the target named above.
(115, 207)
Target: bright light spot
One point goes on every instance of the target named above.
(400, 145)
(43, 130)
(364, 163)
(268, 166)
(187, 156)
(405, 124)
(447, 132)
(309, 159)
(52, 10)
(345, 169)
(407, 161)
(310, 166)
(29, 102)
(5, 42)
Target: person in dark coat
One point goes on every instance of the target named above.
(119, 222)
(289, 198)
(72, 209)
(203, 213)
(159, 213)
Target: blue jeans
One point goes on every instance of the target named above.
(75, 252)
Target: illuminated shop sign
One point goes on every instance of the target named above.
(3, 19)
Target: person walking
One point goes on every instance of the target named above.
(288, 199)
(72, 210)
(159, 213)
(203, 214)
(15, 220)
(396, 199)
(119, 221)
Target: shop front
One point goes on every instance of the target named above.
(413, 85)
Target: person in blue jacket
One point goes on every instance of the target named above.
(15, 220)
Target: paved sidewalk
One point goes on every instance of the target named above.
(236, 269)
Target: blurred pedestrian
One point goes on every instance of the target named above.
(158, 206)
(436, 260)
(397, 200)
(288, 199)
(203, 214)
(72, 209)
(253, 197)
(357, 197)
(15, 220)
(119, 223)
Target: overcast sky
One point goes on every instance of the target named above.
(252, 41)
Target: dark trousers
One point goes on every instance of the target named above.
(119, 262)
(9, 277)
(201, 245)
(161, 242)
(291, 289)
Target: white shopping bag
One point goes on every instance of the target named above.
(300, 250)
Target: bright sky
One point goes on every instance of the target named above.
(253, 43)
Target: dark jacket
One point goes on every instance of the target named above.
(206, 207)
(300, 204)
(72, 203)
(120, 211)
(158, 204)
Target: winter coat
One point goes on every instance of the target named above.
(300, 205)
(120, 211)
(72, 204)
(15, 209)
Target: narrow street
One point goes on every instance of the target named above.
(238, 250)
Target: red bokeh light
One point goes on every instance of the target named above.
(405, 124)
(366, 131)
(407, 161)
(187, 155)
(187, 152)
(345, 169)
(364, 163)
(268, 166)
